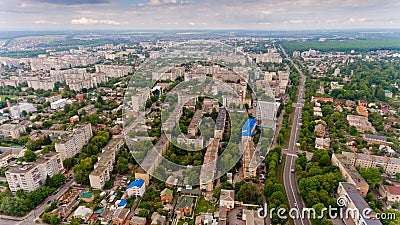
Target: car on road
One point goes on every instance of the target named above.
(56, 192)
(292, 170)
(48, 202)
(295, 204)
(298, 144)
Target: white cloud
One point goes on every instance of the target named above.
(87, 21)
(296, 21)
(44, 22)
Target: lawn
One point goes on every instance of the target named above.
(204, 206)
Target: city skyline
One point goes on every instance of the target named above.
(197, 15)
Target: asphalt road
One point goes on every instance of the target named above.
(290, 183)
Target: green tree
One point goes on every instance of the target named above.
(13, 206)
(122, 165)
(371, 175)
(30, 156)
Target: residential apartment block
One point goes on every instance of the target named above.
(391, 166)
(31, 176)
(208, 168)
(74, 142)
(355, 206)
(350, 173)
(104, 166)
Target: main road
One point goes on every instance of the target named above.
(289, 181)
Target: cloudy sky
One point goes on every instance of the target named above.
(198, 14)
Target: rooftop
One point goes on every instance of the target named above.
(136, 183)
(248, 127)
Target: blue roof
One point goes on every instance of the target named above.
(122, 203)
(248, 127)
(138, 183)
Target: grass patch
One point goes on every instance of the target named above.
(204, 206)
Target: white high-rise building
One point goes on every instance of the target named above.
(73, 144)
(31, 176)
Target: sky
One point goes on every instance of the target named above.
(198, 14)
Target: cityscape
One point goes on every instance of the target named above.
(173, 112)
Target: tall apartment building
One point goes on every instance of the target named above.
(103, 167)
(265, 113)
(114, 70)
(195, 123)
(31, 176)
(74, 142)
(140, 98)
(208, 168)
(220, 124)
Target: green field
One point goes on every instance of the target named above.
(344, 46)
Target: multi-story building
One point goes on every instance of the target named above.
(136, 188)
(361, 123)
(208, 168)
(74, 142)
(11, 131)
(31, 176)
(220, 124)
(139, 99)
(249, 164)
(227, 199)
(16, 110)
(355, 206)
(59, 104)
(41, 83)
(375, 139)
(350, 173)
(195, 123)
(114, 70)
(391, 166)
(104, 166)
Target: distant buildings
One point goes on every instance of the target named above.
(59, 104)
(31, 176)
(114, 70)
(11, 131)
(391, 166)
(195, 123)
(74, 142)
(139, 99)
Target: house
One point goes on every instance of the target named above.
(351, 143)
(86, 196)
(136, 188)
(82, 213)
(227, 199)
(184, 206)
(136, 220)
(167, 195)
(392, 193)
(375, 139)
(388, 94)
(157, 219)
(320, 130)
(322, 143)
(120, 215)
(317, 99)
